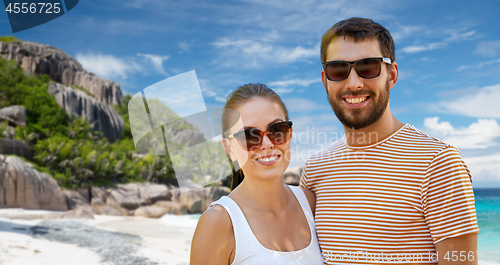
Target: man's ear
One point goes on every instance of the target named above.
(393, 75)
(227, 147)
(324, 80)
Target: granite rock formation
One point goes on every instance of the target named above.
(15, 147)
(103, 117)
(292, 175)
(36, 58)
(22, 186)
(14, 115)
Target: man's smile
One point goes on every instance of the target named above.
(355, 100)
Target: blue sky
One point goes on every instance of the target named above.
(448, 54)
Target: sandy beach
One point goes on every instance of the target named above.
(103, 240)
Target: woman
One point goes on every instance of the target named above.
(262, 221)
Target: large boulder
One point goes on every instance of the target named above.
(22, 186)
(160, 209)
(15, 147)
(120, 199)
(133, 195)
(198, 200)
(103, 117)
(105, 209)
(292, 175)
(75, 199)
(99, 192)
(15, 115)
(172, 207)
(36, 58)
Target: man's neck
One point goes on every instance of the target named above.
(373, 133)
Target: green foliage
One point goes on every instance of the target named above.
(9, 39)
(3, 128)
(68, 149)
(43, 115)
(122, 110)
(74, 163)
(208, 162)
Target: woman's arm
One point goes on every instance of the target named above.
(213, 240)
(311, 197)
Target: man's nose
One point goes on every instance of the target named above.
(354, 81)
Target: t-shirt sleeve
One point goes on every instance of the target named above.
(447, 197)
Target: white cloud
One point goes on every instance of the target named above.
(488, 48)
(107, 66)
(458, 36)
(157, 61)
(481, 103)
(257, 53)
(401, 32)
(220, 99)
(477, 66)
(297, 53)
(481, 134)
(295, 82)
(454, 36)
(184, 46)
(206, 88)
(283, 90)
(430, 46)
(303, 105)
(484, 168)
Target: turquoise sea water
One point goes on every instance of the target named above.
(488, 217)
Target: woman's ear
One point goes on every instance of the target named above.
(227, 147)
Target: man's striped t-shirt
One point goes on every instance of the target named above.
(391, 201)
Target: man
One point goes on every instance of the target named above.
(386, 192)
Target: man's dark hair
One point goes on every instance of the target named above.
(359, 29)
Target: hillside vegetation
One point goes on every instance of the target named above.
(66, 147)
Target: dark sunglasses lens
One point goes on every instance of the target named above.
(250, 139)
(279, 133)
(337, 71)
(368, 68)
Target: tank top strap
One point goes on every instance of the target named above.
(304, 204)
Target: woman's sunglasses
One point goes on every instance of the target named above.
(365, 68)
(251, 139)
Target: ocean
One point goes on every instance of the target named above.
(488, 217)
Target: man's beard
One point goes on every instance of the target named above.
(356, 120)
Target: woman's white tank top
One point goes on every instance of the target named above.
(249, 251)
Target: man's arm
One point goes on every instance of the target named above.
(311, 198)
(458, 250)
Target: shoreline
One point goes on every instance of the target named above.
(107, 240)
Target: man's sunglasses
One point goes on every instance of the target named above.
(251, 138)
(365, 68)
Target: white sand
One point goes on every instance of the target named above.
(166, 240)
(18, 247)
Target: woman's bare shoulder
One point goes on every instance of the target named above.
(214, 225)
(216, 216)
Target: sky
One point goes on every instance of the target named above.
(448, 54)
